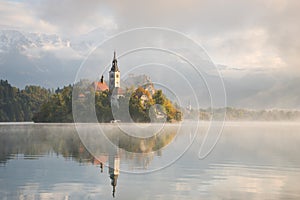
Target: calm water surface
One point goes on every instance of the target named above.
(49, 161)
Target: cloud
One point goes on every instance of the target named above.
(245, 49)
(244, 34)
(283, 30)
(240, 33)
(282, 94)
(257, 40)
(75, 17)
(18, 16)
(68, 18)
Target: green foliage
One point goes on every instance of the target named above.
(58, 108)
(139, 108)
(103, 106)
(173, 113)
(20, 105)
(40, 105)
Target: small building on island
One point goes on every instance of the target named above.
(100, 86)
(114, 81)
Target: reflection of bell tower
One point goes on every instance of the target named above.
(114, 75)
(114, 171)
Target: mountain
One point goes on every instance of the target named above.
(52, 61)
(40, 59)
(11, 40)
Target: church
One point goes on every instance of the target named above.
(114, 80)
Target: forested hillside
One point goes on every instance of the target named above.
(20, 105)
(34, 103)
(59, 107)
(37, 104)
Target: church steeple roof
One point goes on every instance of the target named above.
(114, 67)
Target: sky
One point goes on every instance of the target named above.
(254, 43)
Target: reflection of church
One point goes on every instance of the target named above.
(136, 156)
(113, 167)
(114, 171)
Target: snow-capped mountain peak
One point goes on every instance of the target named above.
(13, 40)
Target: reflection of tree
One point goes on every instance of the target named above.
(64, 140)
(144, 145)
(38, 140)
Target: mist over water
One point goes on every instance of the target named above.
(252, 160)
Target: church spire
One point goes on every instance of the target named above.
(114, 74)
(114, 67)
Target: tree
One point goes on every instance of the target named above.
(20, 105)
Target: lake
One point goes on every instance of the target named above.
(251, 160)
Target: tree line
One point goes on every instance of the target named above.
(34, 103)
(243, 114)
(20, 105)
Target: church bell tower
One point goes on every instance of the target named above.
(114, 75)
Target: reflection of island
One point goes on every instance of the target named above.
(136, 152)
(38, 140)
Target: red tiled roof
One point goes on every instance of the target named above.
(100, 86)
(100, 159)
